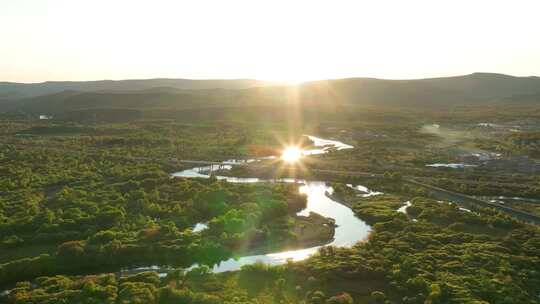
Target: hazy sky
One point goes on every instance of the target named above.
(276, 40)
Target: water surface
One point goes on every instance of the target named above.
(348, 232)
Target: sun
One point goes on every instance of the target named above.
(291, 154)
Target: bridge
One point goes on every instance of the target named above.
(210, 163)
(210, 166)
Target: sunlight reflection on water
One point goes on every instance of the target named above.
(349, 228)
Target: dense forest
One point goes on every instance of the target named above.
(435, 253)
(82, 201)
(64, 213)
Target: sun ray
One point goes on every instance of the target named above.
(292, 154)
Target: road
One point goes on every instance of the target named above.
(466, 200)
(442, 194)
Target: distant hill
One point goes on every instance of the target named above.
(182, 94)
(73, 100)
(523, 99)
(12, 90)
(477, 87)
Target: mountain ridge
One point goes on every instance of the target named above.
(471, 89)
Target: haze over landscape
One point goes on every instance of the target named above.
(269, 152)
(268, 40)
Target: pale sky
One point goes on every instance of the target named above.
(272, 40)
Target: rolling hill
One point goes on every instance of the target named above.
(13, 90)
(184, 95)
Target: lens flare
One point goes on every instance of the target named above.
(291, 154)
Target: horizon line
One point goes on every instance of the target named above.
(262, 80)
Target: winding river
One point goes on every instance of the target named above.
(349, 230)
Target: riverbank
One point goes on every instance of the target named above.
(314, 230)
(308, 231)
(347, 202)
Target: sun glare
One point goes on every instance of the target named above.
(291, 154)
